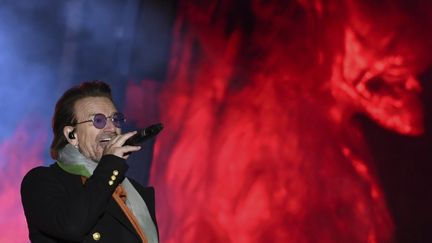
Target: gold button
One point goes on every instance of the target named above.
(113, 177)
(96, 236)
(110, 183)
(115, 172)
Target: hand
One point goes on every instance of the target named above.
(115, 146)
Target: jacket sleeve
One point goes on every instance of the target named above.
(53, 209)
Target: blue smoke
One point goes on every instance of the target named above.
(28, 62)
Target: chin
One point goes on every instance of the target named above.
(97, 158)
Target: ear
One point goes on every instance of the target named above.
(70, 135)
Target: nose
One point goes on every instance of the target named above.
(109, 126)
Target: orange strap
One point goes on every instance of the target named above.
(120, 196)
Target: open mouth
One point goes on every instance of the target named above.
(103, 142)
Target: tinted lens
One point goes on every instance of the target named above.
(99, 121)
(118, 119)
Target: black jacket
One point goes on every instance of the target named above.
(59, 208)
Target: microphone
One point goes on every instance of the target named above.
(144, 134)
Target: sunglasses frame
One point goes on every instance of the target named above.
(117, 124)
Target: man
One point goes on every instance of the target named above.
(84, 196)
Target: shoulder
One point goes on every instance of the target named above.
(43, 174)
(37, 172)
(33, 181)
(42, 171)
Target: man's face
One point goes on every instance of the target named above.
(383, 86)
(91, 140)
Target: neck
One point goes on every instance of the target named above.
(70, 159)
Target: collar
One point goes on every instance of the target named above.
(71, 160)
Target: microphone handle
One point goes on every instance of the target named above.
(144, 134)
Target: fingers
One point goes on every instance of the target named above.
(122, 138)
(130, 149)
(116, 147)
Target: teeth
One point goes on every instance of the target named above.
(106, 140)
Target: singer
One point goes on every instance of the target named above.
(84, 195)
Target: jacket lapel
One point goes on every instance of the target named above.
(75, 183)
(115, 210)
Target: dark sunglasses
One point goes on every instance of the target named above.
(100, 120)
